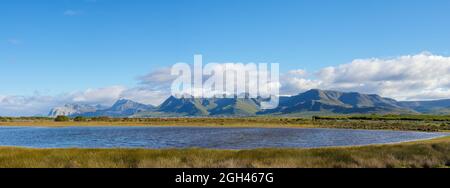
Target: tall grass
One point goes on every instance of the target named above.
(432, 153)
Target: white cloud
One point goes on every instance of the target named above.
(295, 81)
(72, 12)
(25, 105)
(106, 95)
(157, 78)
(411, 77)
(37, 104)
(14, 41)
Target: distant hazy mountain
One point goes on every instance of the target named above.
(309, 102)
(336, 102)
(74, 109)
(122, 108)
(432, 107)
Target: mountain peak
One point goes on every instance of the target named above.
(126, 104)
(338, 102)
(123, 101)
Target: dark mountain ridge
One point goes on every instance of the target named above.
(312, 101)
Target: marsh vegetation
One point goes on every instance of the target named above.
(429, 123)
(430, 153)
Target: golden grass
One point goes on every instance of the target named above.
(428, 153)
(268, 122)
(201, 122)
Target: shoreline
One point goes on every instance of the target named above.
(52, 124)
(421, 123)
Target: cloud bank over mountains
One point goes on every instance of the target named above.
(422, 76)
(37, 104)
(413, 77)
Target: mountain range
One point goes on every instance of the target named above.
(428, 107)
(121, 108)
(310, 102)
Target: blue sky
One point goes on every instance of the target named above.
(57, 46)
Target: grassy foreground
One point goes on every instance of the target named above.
(428, 153)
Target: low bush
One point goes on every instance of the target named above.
(62, 118)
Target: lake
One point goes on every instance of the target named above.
(203, 137)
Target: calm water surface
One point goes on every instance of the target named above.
(184, 137)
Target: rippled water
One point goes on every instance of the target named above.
(183, 137)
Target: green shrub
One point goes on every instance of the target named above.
(2, 119)
(80, 118)
(102, 118)
(62, 118)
